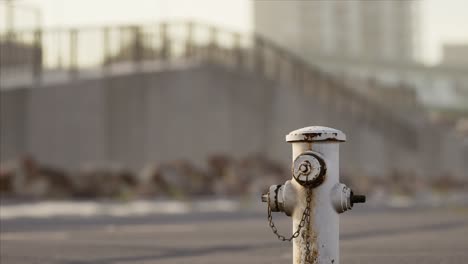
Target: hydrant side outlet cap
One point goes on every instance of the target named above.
(316, 133)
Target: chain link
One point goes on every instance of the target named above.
(305, 219)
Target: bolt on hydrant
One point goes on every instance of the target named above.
(314, 196)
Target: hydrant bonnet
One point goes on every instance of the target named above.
(316, 133)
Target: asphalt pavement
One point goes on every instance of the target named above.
(431, 235)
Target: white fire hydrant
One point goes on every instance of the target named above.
(314, 196)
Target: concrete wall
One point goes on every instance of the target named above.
(13, 123)
(66, 124)
(192, 114)
(135, 119)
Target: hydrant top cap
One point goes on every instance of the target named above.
(316, 133)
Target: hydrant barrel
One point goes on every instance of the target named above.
(314, 197)
(324, 225)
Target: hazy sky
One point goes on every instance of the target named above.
(442, 21)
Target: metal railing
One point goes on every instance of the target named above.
(36, 56)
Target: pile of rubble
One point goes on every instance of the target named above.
(180, 179)
(224, 176)
(407, 186)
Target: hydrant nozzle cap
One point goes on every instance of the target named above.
(316, 133)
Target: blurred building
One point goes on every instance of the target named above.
(455, 55)
(133, 95)
(375, 30)
(366, 40)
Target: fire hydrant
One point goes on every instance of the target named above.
(314, 197)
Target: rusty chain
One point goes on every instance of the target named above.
(305, 219)
(308, 259)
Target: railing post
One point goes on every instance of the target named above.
(259, 55)
(213, 46)
(189, 49)
(165, 45)
(238, 60)
(122, 54)
(37, 56)
(138, 48)
(9, 21)
(107, 57)
(73, 67)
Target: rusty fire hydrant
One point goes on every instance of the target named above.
(314, 196)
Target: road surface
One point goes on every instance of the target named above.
(367, 236)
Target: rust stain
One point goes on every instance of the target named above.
(313, 232)
(314, 252)
(313, 136)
